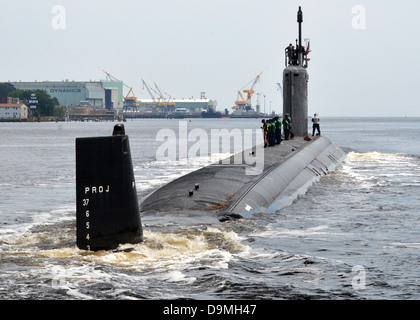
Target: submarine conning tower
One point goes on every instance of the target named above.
(295, 82)
(107, 209)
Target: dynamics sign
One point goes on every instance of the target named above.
(65, 90)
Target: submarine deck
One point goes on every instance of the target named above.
(227, 192)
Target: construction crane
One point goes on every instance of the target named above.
(150, 92)
(251, 91)
(161, 100)
(165, 102)
(127, 97)
(241, 102)
(171, 102)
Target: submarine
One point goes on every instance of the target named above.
(108, 211)
(224, 191)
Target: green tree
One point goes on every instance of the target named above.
(5, 89)
(59, 111)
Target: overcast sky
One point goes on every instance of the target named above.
(364, 59)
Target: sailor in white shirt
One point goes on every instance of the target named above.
(315, 125)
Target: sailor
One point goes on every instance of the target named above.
(264, 128)
(277, 123)
(290, 52)
(271, 133)
(286, 128)
(315, 125)
(289, 120)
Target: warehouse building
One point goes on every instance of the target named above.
(95, 94)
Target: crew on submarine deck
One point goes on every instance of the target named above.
(272, 130)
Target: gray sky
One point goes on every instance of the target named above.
(363, 61)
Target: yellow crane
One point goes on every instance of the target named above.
(171, 102)
(161, 100)
(241, 102)
(132, 97)
(165, 102)
(150, 92)
(251, 91)
(127, 97)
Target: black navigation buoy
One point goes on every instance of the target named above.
(107, 210)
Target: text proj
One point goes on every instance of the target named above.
(175, 148)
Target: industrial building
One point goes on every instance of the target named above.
(95, 94)
(187, 106)
(108, 95)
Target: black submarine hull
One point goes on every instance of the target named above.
(224, 191)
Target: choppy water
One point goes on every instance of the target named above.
(354, 235)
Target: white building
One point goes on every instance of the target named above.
(10, 111)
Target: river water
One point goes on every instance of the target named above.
(355, 234)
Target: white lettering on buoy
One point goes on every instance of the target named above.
(97, 189)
